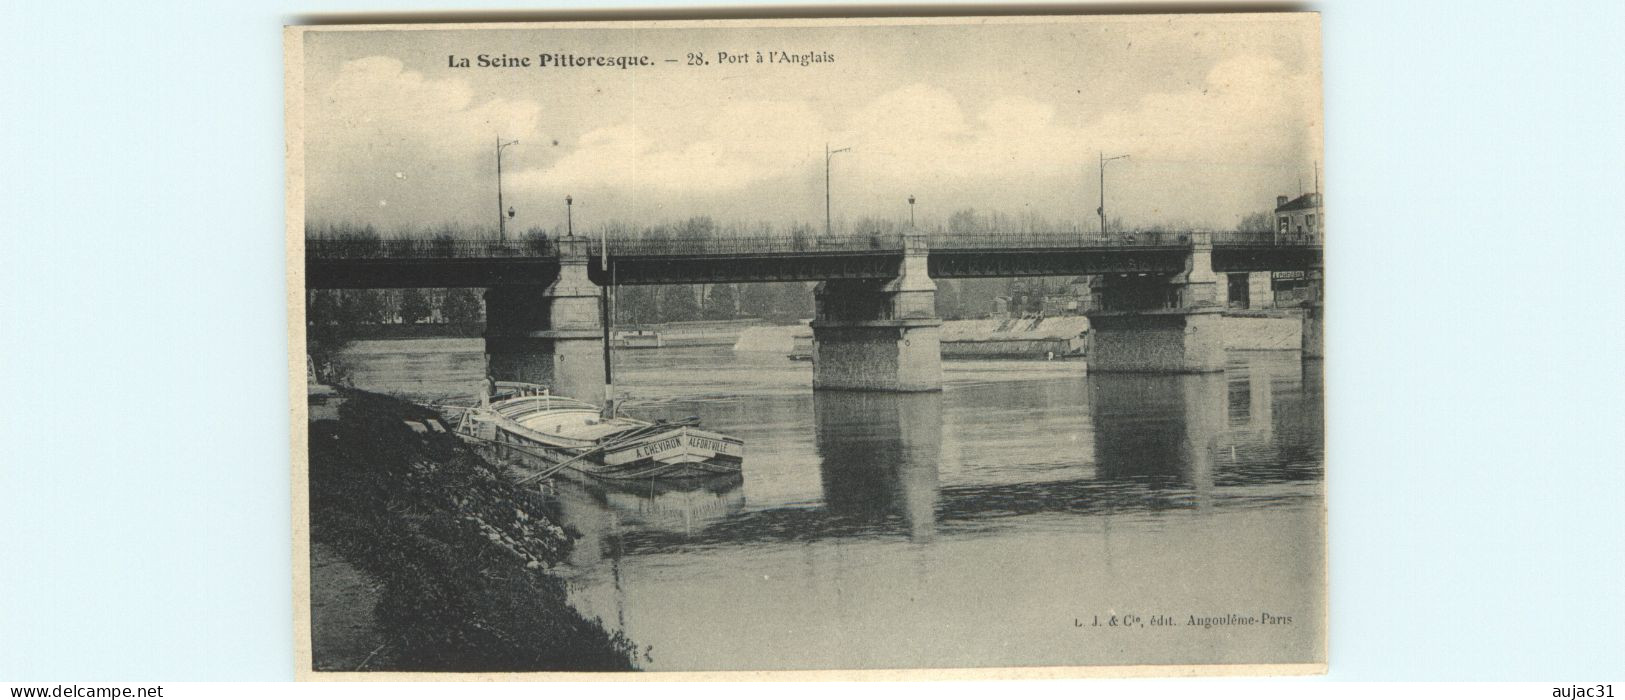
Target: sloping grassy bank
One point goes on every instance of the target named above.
(458, 553)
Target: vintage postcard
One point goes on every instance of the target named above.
(812, 348)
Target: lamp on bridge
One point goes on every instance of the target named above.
(1102, 209)
(911, 211)
(569, 225)
(828, 154)
(502, 223)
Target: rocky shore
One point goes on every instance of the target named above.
(427, 558)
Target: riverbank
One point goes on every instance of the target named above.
(1037, 337)
(1267, 330)
(1012, 338)
(431, 557)
(400, 331)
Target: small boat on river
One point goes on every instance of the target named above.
(801, 349)
(638, 339)
(525, 423)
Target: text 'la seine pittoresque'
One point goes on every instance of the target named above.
(693, 58)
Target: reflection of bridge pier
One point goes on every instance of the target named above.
(549, 335)
(1314, 314)
(880, 335)
(879, 454)
(1155, 323)
(1261, 399)
(1158, 427)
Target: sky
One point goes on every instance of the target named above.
(1217, 113)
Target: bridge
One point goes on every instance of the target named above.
(875, 327)
(404, 263)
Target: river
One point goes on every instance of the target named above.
(1018, 518)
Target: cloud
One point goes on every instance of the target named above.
(920, 133)
(389, 146)
(1203, 155)
(1245, 109)
(741, 144)
(1208, 152)
(375, 104)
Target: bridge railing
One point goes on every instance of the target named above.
(1263, 238)
(349, 249)
(395, 248)
(770, 245)
(1053, 240)
(441, 248)
(747, 245)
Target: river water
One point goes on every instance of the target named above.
(992, 524)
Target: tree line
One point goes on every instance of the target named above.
(965, 220)
(774, 302)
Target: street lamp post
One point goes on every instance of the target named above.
(502, 223)
(1102, 210)
(828, 154)
(569, 220)
(911, 211)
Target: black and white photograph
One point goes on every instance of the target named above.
(948, 344)
(809, 348)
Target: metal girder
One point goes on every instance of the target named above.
(381, 272)
(428, 272)
(948, 264)
(748, 268)
(1266, 258)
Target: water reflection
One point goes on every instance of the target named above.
(604, 512)
(1276, 434)
(1158, 430)
(927, 465)
(967, 527)
(878, 456)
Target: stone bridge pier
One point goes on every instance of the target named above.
(1314, 318)
(880, 335)
(1160, 323)
(550, 335)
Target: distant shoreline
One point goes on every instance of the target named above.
(1274, 329)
